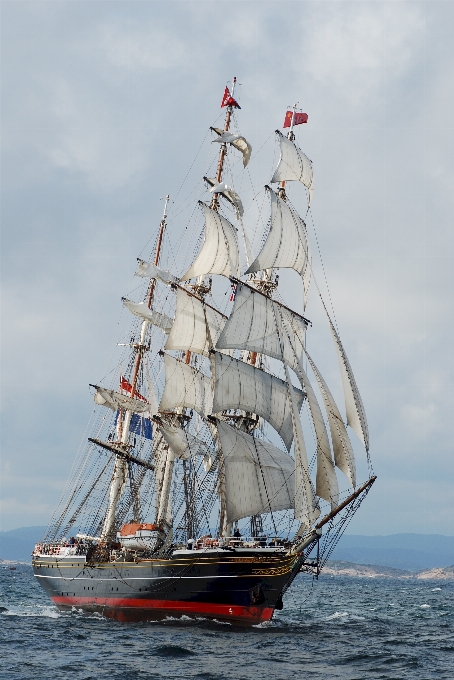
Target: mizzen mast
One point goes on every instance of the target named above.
(122, 465)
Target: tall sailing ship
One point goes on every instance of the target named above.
(211, 478)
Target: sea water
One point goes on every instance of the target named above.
(335, 628)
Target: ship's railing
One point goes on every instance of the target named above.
(206, 542)
(60, 549)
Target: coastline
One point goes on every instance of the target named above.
(335, 568)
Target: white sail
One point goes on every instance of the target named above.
(242, 386)
(293, 165)
(151, 271)
(259, 477)
(228, 193)
(237, 141)
(253, 326)
(184, 444)
(220, 253)
(356, 414)
(326, 481)
(196, 326)
(287, 243)
(343, 451)
(142, 310)
(306, 509)
(185, 387)
(115, 400)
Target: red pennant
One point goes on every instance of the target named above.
(228, 100)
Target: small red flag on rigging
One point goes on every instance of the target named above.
(228, 100)
(299, 118)
(127, 387)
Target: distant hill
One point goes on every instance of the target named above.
(413, 552)
(19, 543)
(338, 568)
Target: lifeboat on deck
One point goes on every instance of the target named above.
(136, 536)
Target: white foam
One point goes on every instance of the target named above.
(337, 615)
(434, 590)
(425, 606)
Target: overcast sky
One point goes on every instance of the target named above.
(104, 107)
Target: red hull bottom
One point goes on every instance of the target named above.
(131, 609)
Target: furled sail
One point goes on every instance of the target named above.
(293, 165)
(142, 310)
(196, 326)
(356, 414)
(252, 326)
(287, 244)
(115, 400)
(185, 387)
(259, 477)
(184, 444)
(220, 253)
(242, 386)
(326, 481)
(151, 271)
(237, 141)
(228, 193)
(343, 452)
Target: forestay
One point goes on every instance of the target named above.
(343, 452)
(252, 326)
(196, 326)
(356, 414)
(259, 477)
(149, 270)
(293, 165)
(142, 310)
(185, 387)
(287, 244)
(115, 400)
(242, 386)
(220, 253)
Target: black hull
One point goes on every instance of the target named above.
(224, 586)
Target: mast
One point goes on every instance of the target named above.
(223, 150)
(121, 468)
(291, 136)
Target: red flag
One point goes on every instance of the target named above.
(127, 387)
(228, 100)
(299, 118)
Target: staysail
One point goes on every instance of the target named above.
(259, 477)
(343, 451)
(239, 385)
(293, 165)
(356, 414)
(326, 480)
(220, 253)
(197, 325)
(185, 387)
